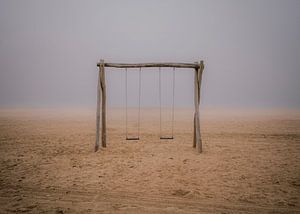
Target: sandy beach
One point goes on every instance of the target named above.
(250, 163)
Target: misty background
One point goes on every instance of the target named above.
(49, 50)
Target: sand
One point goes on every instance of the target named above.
(250, 163)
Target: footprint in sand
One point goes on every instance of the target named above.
(180, 192)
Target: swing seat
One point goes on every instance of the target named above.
(166, 138)
(132, 138)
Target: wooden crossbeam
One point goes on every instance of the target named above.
(149, 65)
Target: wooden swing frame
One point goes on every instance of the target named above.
(101, 93)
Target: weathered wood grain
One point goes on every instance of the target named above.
(142, 65)
(98, 112)
(197, 81)
(103, 88)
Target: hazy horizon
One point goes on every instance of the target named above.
(49, 51)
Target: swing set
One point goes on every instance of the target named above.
(101, 99)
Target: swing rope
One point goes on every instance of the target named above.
(126, 102)
(159, 77)
(160, 106)
(139, 117)
(139, 109)
(173, 102)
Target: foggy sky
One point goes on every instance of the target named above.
(49, 50)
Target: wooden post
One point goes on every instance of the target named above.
(199, 80)
(201, 69)
(195, 103)
(98, 112)
(197, 134)
(103, 89)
